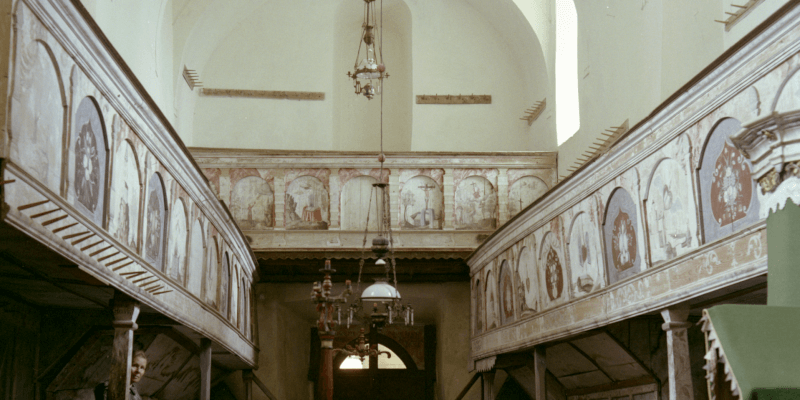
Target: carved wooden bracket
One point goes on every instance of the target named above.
(532, 114)
(454, 99)
(264, 94)
(192, 78)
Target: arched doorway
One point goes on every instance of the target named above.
(382, 377)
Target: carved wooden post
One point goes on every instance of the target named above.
(488, 386)
(126, 310)
(502, 195)
(280, 197)
(247, 377)
(205, 369)
(680, 373)
(449, 193)
(540, 372)
(325, 383)
(335, 186)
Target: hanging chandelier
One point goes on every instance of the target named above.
(368, 72)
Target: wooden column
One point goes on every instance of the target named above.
(126, 310)
(488, 386)
(502, 195)
(205, 369)
(325, 382)
(680, 373)
(449, 192)
(335, 186)
(247, 377)
(540, 372)
(280, 197)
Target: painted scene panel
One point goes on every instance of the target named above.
(585, 255)
(421, 204)
(176, 254)
(475, 204)
(307, 204)
(155, 213)
(671, 214)
(492, 319)
(506, 294)
(88, 162)
(620, 232)
(527, 282)
(523, 192)
(125, 189)
(253, 203)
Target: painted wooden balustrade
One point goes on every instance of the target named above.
(670, 213)
(286, 200)
(101, 179)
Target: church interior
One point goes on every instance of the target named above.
(400, 199)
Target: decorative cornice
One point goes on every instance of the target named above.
(772, 144)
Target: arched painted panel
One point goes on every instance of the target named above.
(480, 307)
(523, 192)
(506, 290)
(224, 286)
(37, 115)
(585, 255)
(552, 263)
(307, 204)
(87, 160)
(727, 192)
(476, 204)
(492, 301)
(197, 252)
(421, 204)
(155, 222)
(671, 213)
(233, 295)
(125, 191)
(176, 254)
(620, 232)
(527, 281)
(212, 271)
(358, 198)
(253, 204)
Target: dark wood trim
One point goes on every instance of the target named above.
(611, 386)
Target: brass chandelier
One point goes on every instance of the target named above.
(368, 72)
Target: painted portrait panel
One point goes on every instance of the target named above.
(492, 301)
(421, 204)
(671, 214)
(307, 204)
(253, 203)
(552, 264)
(197, 252)
(620, 232)
(527, 282)
(37, 110)
(155, 222)
(125, 188)
(176, 249)
(480, 306)
(523, 192)
(476, 204)
(224, 283)
(357, 200)
(88, 160)
(585, 255)
(727, 192)
(507, 293)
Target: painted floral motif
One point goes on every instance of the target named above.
(554, 275)
(87, 167)
(623, 242)
(731, 186)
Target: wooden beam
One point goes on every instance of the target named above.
(264, 94)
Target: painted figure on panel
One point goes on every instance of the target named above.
(87, 166)
(480, 307)
(526, 282)
(492, 319)
(731, 186)
(421, 203)
(623, 242)
(252, 203)
(177, 242)
(554, 275)
(508, 293)
(476, 204)
(306, 204)
(670, 212)
(155, 213)
(620, 235)
(523, 192)
(585, 256)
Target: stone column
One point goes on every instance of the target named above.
(335, 193)
(280, 197)
(394, 198)
(502, 195)
(488, 386)
(449, 192)
(205, 369)
(540, 372)
(126, 310)
(680, 373)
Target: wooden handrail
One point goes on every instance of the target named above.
(469, 386)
